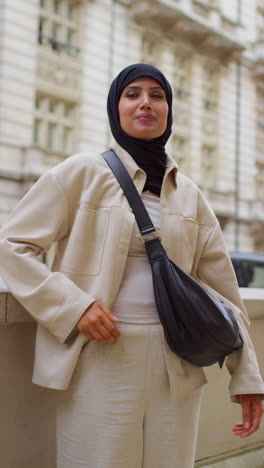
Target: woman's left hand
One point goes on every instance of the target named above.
(252, 411)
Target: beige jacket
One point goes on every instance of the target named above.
(79, 205)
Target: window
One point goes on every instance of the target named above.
(210, 88)
(249, 269)
(70, 50)
(71, 12)
(208, 166)
(67, 109)
(260, 181)
(56, 6)
(259, 123)
(260, 22)
(151, 50)
(213, 3)
(37, 102)
(66, 137)
(51, 136)
(36, 131)
(52, 106)
(59, 26)
(53, 127)
(55, 31)
(179, 151)
(181, 77)
(260, 110)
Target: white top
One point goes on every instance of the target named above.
(135, 302)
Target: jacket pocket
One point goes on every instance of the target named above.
(183, 241)
(85, 245)
(189, 243)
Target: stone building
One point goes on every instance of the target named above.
(58, 57)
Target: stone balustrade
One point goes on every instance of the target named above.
(28, 411)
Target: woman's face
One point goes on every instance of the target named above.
(143, 109)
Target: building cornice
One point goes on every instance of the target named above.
(177, 22)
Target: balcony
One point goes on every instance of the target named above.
(210, 32)
(58, 75)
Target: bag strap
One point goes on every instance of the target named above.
(143, 220)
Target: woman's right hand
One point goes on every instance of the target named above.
(97, 323)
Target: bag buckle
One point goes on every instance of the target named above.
(149, 236)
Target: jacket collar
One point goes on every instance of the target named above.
(133, 168)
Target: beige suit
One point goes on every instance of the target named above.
(79, 205)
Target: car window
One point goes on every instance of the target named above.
(249, 274)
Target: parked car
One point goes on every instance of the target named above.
(249, 269)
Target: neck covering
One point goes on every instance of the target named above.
(149, 155)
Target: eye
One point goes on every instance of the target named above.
(158, 96)
(132, 95)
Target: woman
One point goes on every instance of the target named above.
(128, 401)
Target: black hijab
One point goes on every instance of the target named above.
(149, 155)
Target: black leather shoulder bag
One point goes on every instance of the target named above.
(198, 327)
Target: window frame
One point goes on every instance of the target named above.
(53, 27)
(51, 122)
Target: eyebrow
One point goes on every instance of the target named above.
(139, 87)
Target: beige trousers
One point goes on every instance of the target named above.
(118, 412)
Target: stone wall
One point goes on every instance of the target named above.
(28, 411)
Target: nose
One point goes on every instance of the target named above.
(145, 101)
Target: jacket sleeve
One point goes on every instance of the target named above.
(39, 220)
(215, 272)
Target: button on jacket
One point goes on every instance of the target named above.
(80, 206)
